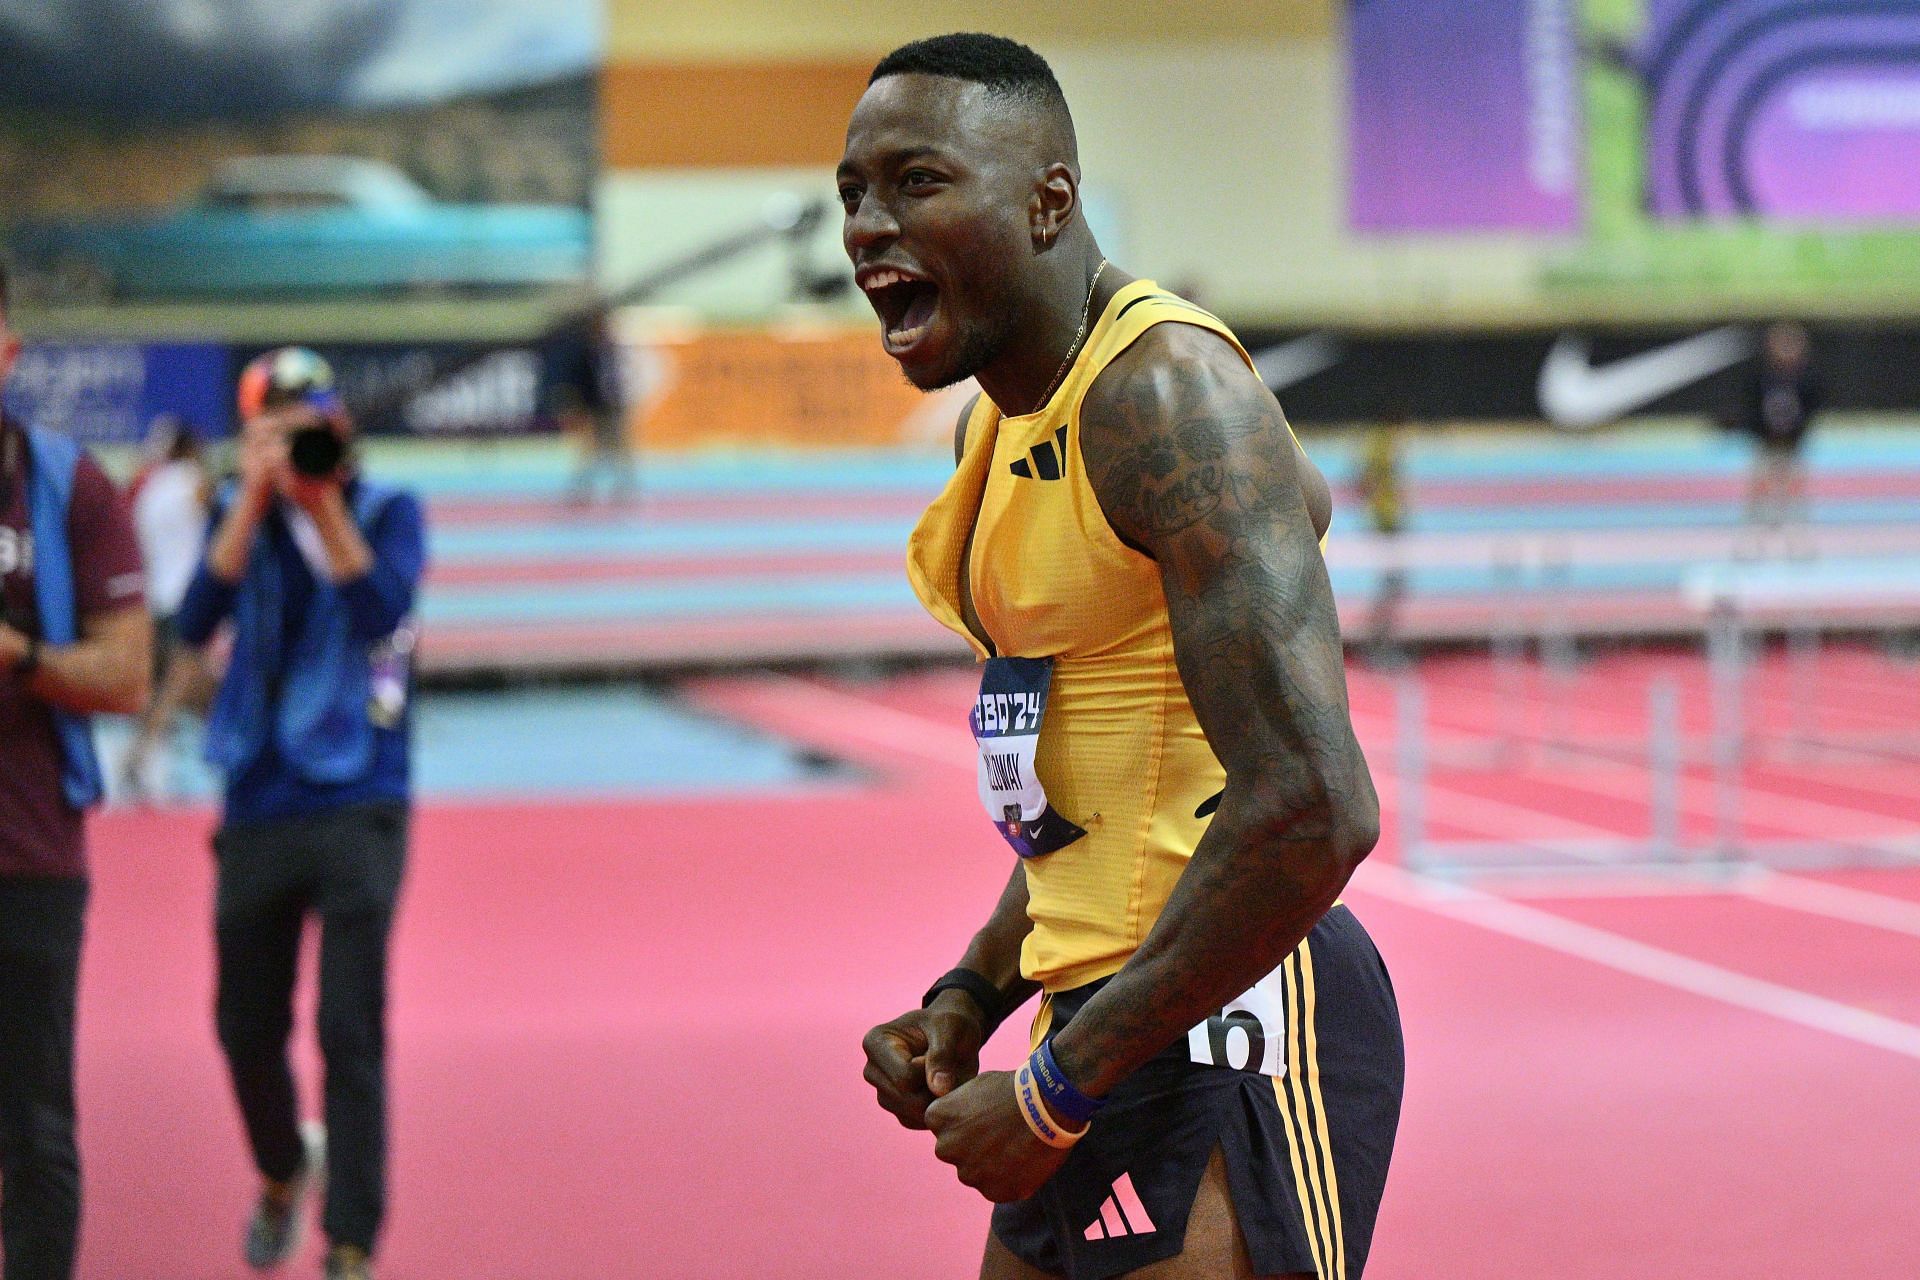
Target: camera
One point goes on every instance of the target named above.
(315, 450)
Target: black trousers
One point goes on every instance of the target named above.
(40, 929)
(345, 867)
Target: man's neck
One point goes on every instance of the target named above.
(1035, 365)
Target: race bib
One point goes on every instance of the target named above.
(1250, 1034)
(1006, 727)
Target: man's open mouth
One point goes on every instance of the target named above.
(905, 304)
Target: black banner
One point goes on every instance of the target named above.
(1573, 378)
(438, 390)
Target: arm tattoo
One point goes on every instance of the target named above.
(1163, 477)
(1193, 464)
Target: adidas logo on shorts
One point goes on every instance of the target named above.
(1121, 1214)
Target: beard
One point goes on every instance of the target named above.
(976, 349)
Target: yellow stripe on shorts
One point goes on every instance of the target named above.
(1289, 1089)
(1324, 1134)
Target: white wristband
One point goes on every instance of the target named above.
(1026, 1094)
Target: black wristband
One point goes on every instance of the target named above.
(30, 660)
(992, 1001)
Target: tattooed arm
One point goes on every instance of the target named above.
(1192, 462)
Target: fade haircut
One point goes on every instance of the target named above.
(1006, 67)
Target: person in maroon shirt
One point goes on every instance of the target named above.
(43, 870)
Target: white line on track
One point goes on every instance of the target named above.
(1642, 960)
(1860, 906)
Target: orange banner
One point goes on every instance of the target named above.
(718, 115)
(827, 386)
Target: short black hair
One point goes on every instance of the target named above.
(3, 283)
(1004, 66)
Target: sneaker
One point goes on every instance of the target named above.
(348, 1262)
(279, 1222)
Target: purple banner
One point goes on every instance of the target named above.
(1463, 116)
(1800, 110)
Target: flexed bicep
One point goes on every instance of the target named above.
(1195, 466)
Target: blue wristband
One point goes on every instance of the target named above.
(1063, 1099)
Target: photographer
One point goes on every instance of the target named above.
(317, 566)
(73, 640)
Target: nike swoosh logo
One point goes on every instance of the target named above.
(1291, 362)
(1576, 395)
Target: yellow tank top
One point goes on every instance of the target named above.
(1120, 751)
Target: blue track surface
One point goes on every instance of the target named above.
(755, 548)
(603, 740)
(681, 538)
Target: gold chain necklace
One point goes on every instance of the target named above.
(1086, 310)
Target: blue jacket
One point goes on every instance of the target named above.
(54, 459)
(292, 725)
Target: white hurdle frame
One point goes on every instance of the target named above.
(1662, 849)
(1733, 617)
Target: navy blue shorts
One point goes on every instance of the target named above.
(1306, 1151)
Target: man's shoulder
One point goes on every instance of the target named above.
(1168, 422)
(1167, 355)
(1166, 375)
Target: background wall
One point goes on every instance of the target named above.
(1213, 132)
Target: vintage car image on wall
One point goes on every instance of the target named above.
(305, 224)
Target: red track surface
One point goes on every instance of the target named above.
(626, 1039)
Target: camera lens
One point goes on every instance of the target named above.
(315, 451)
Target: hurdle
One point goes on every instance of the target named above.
(1740, 608)
(1743, 605)
(1662, 849)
